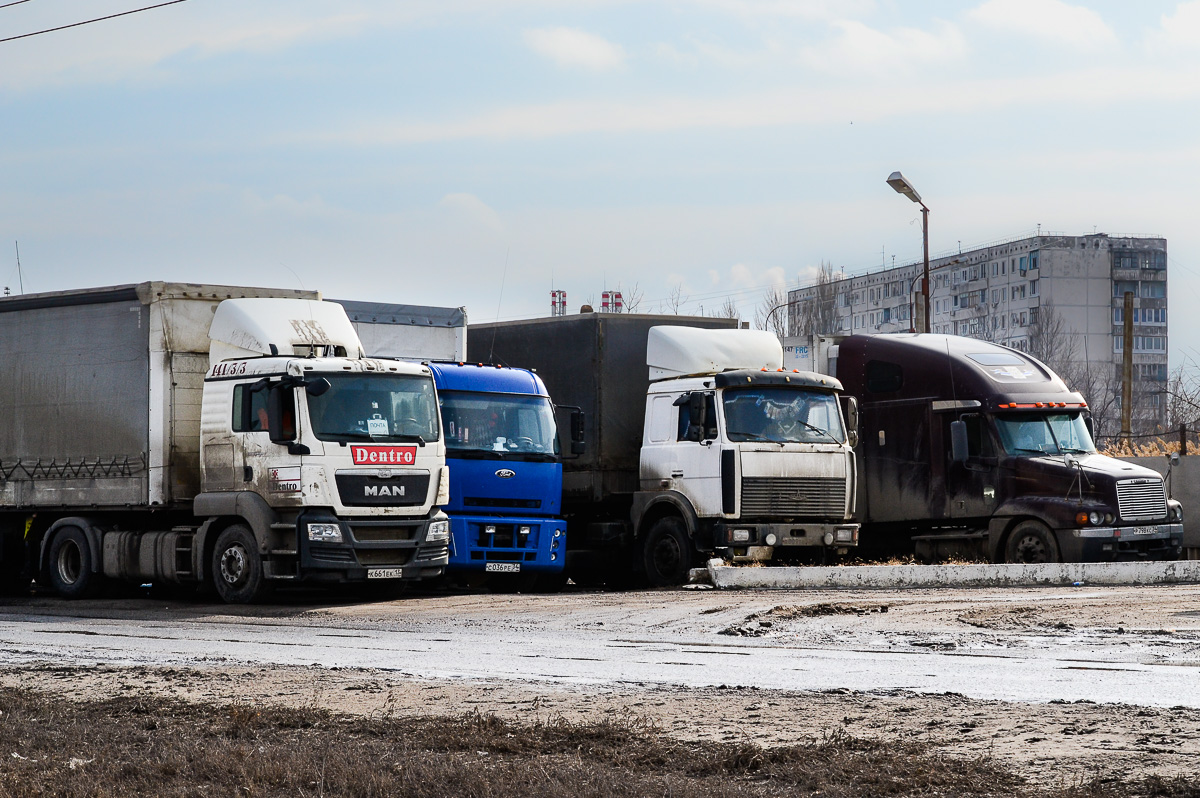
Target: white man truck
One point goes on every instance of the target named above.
(697, 442)
(186, 434)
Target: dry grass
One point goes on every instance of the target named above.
(1153, 447)
(151, 747)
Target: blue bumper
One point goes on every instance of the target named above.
(505, 550)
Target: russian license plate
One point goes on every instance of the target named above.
(384, 573)
(503, 567)
(1145, 530)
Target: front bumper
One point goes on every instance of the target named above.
(504, 549)
(371, 548)
(1137, 542)
(759, 541)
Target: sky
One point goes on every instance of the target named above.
(478, 153)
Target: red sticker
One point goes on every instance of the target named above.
(383, 455)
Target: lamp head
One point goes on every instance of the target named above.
(900, 183)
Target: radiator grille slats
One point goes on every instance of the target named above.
(1139, 500)
(820, 497)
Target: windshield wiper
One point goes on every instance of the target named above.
(409, 436)
(819, 430)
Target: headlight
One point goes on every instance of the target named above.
(1095, 518)
(845, 535)
(770, 539)
(325, 533)
(523, 531)
(741, 536)
(490, 529)
(1176, 513)
(437, 531)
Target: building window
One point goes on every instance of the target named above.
(1154, 290)
(1120, 287)
(1033, 287)
(1033, 261)
(1033, 315)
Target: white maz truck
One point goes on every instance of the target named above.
(697, 442)
(200, 434)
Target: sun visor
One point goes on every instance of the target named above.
(680, 351)
(301, 327)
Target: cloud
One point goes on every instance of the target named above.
(570, 47)
(860, 48)
(1050, 20)
(474, 209)
(798, 9)
(1180, 30)
(800, 106)
(141, 46)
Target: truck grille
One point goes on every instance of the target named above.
(822, 497)
(1141, 499)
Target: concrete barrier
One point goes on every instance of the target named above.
(1007, 575)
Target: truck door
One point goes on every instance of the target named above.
(971, 484)
(698, 469)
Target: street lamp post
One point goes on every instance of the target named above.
(902, 186)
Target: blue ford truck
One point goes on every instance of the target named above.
(505, 465)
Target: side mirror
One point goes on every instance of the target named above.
(850, 406)
(1091, 427)
(315, 386)
(958, 441)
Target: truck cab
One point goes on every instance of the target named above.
(342, 453)
(505, 466)
(757, 462)
(974, 449)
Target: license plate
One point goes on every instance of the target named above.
(1145, 530)
(503, 567)
(385, 573)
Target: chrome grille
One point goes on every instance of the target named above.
(1141, 499)
(822, 497)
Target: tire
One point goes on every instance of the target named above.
(237, 567)
(71, 564)
(1031, 542)
(666, 553)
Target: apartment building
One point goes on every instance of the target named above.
(1059, 297)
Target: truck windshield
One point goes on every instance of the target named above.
(375, 407)
(1044, 433)
(499, 425)
(782, 415)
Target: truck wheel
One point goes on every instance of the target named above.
(71, 573)
(237, 568)
(667, 553)
(1031, 542)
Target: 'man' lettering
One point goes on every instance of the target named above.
(383, 490)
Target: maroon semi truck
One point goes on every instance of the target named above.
(973, 449)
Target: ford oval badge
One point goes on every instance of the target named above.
(506, 473)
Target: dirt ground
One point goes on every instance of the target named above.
(1056, 743)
